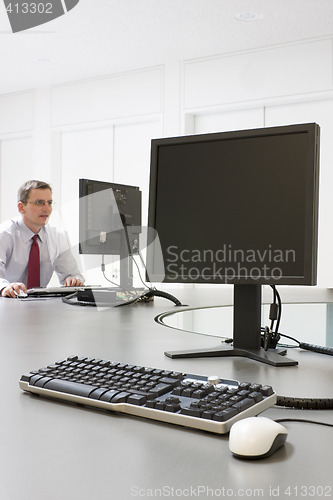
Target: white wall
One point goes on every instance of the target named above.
(102, 128)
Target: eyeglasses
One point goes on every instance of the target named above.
(42, 203)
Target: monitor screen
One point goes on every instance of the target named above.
(105, 209)
(236, 207)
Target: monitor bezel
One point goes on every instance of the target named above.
(312, 130)
(113, 244)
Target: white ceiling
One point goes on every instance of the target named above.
(100, 37)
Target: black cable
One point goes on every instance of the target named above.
(302, 420)
(272, 316)
(270, 337)
(138, 269)
(310, 347)
(305, 403)
(280, 310)
(152, 291)
(71, 300)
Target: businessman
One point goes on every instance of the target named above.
(30, 249)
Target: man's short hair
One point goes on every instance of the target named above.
(24, 191)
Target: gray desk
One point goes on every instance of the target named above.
(53, 450)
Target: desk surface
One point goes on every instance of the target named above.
(58, 451)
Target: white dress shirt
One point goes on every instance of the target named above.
(55, 254)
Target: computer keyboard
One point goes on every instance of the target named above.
(207, 403)
(56, 291)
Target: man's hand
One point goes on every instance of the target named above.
(13, 290)
(72, 281)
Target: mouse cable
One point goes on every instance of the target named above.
(302, 420)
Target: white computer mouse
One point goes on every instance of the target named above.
(256, 437)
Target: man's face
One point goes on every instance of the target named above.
(36, 212)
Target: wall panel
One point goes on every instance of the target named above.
(262, 74)
(229, 120)
(118, 96)
(16, 112)
(16, 167)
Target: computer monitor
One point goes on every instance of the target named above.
(110, 222)
(237, 208)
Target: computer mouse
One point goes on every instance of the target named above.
(256, 437)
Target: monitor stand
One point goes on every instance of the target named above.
(126, 262)
(247, 333)
(126, 267)
(111, 296)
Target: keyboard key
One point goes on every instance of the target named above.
(35, 378)
(160, 389)
(26, 377)
(159, 405)
(121, 397)
(42, 381)
(256, 396)
(244, 404)
(69, 387)
(266, 390)
(199, 393)
(224, 415)
(172, 407)
(169, 381)
(97, 393)
(192, 412)
(108, 395)
(187, 392)
(137, 399)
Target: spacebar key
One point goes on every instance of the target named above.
(69, 387)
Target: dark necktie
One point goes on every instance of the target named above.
(34, 265)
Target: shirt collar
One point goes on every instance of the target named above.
(27, 234)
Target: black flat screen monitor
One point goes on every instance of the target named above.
(236, 208)
(105, 209)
